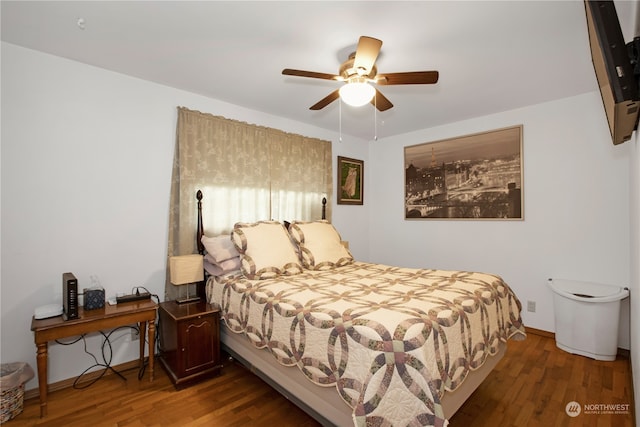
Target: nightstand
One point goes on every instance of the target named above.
(189, 341)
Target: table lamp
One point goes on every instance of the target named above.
(186, 270)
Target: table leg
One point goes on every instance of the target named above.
(143, 329)
(41, 358)
(152, 347)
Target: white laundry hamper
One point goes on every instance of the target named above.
(587, 317)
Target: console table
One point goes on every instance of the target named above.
(109, 317)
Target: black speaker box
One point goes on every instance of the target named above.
(69, 296)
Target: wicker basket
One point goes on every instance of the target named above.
(12, 400)
(13, 376)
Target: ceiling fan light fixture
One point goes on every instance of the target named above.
(357, 92)
(358, 72)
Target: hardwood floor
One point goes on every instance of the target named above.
(535, 381)
(531, 386)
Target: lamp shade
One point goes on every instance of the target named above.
(186, 269)
(357, 92)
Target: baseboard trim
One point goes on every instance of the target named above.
(90, 376)
(540, 332)
(622, 352)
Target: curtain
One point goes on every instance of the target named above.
(246, 173)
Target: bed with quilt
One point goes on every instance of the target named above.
(355, 343)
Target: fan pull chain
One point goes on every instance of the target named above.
(375, 117)
(340, 117)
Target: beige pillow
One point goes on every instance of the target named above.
(319, 244)
(265, 250)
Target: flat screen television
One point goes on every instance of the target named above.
(614, 71)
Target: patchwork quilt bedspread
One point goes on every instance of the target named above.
(391, 340)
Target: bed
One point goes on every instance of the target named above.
(350, 342)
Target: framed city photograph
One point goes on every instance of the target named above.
(475, 176)
(350, 181)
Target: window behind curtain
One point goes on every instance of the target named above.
(246, 173)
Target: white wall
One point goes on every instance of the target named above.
(86, 168)
(634, 197)
(629, 15)
(576, 207)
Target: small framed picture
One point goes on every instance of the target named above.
(350, 181)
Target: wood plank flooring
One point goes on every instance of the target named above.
(531, 386)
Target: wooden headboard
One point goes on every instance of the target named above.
(201, 287)
(200, 230)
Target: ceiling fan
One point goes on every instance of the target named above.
(358, 72)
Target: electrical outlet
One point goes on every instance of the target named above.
(531, 306)
(135, 334)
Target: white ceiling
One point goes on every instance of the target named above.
(492, 55)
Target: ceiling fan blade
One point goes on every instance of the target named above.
(326, 100)
(408, 78)
(367, 53)
(381, 102)
(312, 74)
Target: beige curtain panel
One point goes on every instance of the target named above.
(247, 173)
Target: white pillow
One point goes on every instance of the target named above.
(319, 244)
(265, 250)
(223, 267)
(220, 248)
